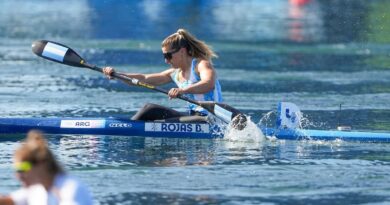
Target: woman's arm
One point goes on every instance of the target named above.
(153, 78)
(161, 78)
(207, 79)
(206, 84)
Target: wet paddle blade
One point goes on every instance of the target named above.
(226, 113)
(57, 52)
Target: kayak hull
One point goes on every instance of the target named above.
(127, 127)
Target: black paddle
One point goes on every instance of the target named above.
(62, 54)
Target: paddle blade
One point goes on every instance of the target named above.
(57, 52)
(227, 113)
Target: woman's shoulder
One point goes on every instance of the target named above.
(204, 64)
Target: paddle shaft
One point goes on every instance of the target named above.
(137, 82)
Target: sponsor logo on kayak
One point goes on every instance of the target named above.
(120, 125)
(177, 127)
(83, 123)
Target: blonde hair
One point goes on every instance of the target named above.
(35, 150)
(195, 47)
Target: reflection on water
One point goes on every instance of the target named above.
(268, 21)
(305, 21)
(120, 152)
(197, 171)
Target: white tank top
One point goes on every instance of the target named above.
(214, 95)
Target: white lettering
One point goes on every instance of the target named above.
(177, 127)
(120, 125)
(83, 124)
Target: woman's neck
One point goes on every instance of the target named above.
(187, 63)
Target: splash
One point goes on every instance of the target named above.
(305, 122)
(250, 138)
(268, 119)
(251, 133)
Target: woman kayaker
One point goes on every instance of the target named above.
(192, 71)
(43, 179)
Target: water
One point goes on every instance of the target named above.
(318, 56)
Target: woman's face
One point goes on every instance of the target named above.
(171, 56)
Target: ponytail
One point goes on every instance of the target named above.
(195, 47)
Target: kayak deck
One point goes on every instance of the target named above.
(126, 127)
(308, 134)
(105, 126)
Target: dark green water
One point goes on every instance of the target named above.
(317, 55)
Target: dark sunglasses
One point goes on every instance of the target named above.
(168, 55)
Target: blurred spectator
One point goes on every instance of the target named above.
(43, 179)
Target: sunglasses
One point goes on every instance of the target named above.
(168, 55)
(22, 167)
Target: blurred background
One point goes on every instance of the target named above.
(330, 57)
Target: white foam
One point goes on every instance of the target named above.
(251, 133)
